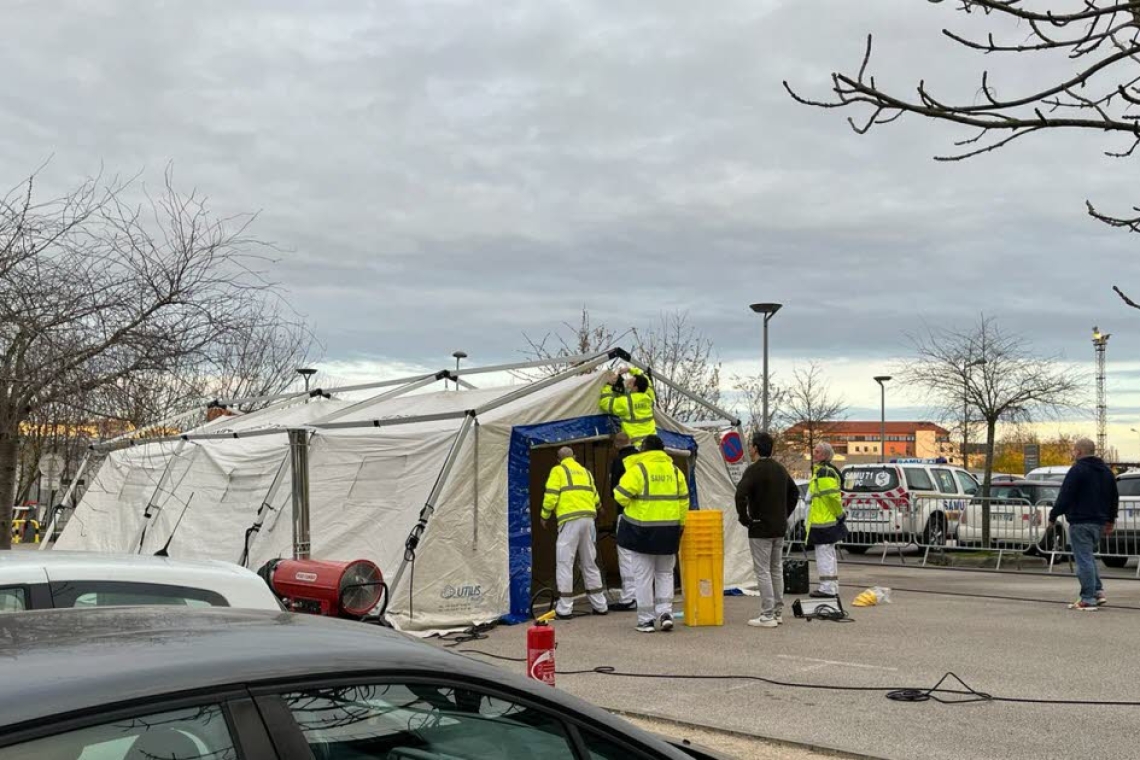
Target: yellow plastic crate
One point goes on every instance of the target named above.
(702, 568)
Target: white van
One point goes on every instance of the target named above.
(904, 501)
(1048, 473)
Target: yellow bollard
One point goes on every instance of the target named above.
(702, 567)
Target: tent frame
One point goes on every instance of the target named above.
(300, 437)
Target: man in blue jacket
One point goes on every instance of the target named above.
(1088, 499)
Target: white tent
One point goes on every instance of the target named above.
(452, 466)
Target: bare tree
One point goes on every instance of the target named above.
(810, 409)
(1102, 91)
(996, 373)
(94, 290)
(681, 352)
(257, 360)
(672, 347)
(586, 337)
(750, 404)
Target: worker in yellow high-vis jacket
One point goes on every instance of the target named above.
(631, 402)
(655, 496)
(572, 499)
(826, 522)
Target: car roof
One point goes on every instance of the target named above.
(240, 586)
(64, 661)
(1028, 483)
(65, 559)
(1128, 475)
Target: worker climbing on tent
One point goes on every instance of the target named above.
(655, 496)
(631, 403)
(573, 500)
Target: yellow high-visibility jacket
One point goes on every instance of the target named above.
(655, 497)
(825, 522)
(633, 408)
(570, 492)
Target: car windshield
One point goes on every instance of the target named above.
(870, 479)
(1046, 493)
(1128, 486)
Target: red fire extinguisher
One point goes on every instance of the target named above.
(540, 652)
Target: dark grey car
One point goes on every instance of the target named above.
(147, 683)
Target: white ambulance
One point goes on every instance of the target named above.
(904, 501)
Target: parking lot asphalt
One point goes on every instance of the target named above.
(939, 621)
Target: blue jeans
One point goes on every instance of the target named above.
(1085, 540)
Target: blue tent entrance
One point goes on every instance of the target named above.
(523, 439)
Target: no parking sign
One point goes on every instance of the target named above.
(732, 449)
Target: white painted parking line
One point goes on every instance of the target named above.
(824, 663)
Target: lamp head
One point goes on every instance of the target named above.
(767, 309)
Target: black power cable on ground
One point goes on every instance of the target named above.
(965, 695)
(995, 597)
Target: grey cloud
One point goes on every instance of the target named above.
(443, 173)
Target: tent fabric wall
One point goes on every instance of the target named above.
(367, 488)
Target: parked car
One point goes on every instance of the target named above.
(136, 683)
(1019, 514)
(1057, 473)
(1125, 540)
(31, 580)
(905, 501)
(1114, 549)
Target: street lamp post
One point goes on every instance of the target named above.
(1137, 432)
(882, 381)
(306, 372)
(768, 310)
(966, 409)
(458, 355)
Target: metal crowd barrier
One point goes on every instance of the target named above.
(940, 525)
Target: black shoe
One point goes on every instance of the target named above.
(821, 595)
(622, 606)
(560, 616)
(666, 622)
(599, 612)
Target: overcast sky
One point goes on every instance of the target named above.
(444, 175)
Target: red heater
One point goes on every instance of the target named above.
(337, 589)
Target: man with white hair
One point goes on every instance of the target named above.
(826, 522)
(572, 499)
(1089, 501)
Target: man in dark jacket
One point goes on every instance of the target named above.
(765, 496)
(625, 557)
(1089, 500)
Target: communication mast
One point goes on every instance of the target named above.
(1100, 342)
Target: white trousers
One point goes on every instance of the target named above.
(827, 564)
(578, 538)
(625, 568)
(653, 581)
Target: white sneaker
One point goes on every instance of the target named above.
(763, 621)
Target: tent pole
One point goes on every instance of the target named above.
(416, 385)
(46, 536)
(263, 510)
(551, 362)
(429, 506)
(148, 515)
(299, 459)
(732, 418)
(595, 361)
(475, 487)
